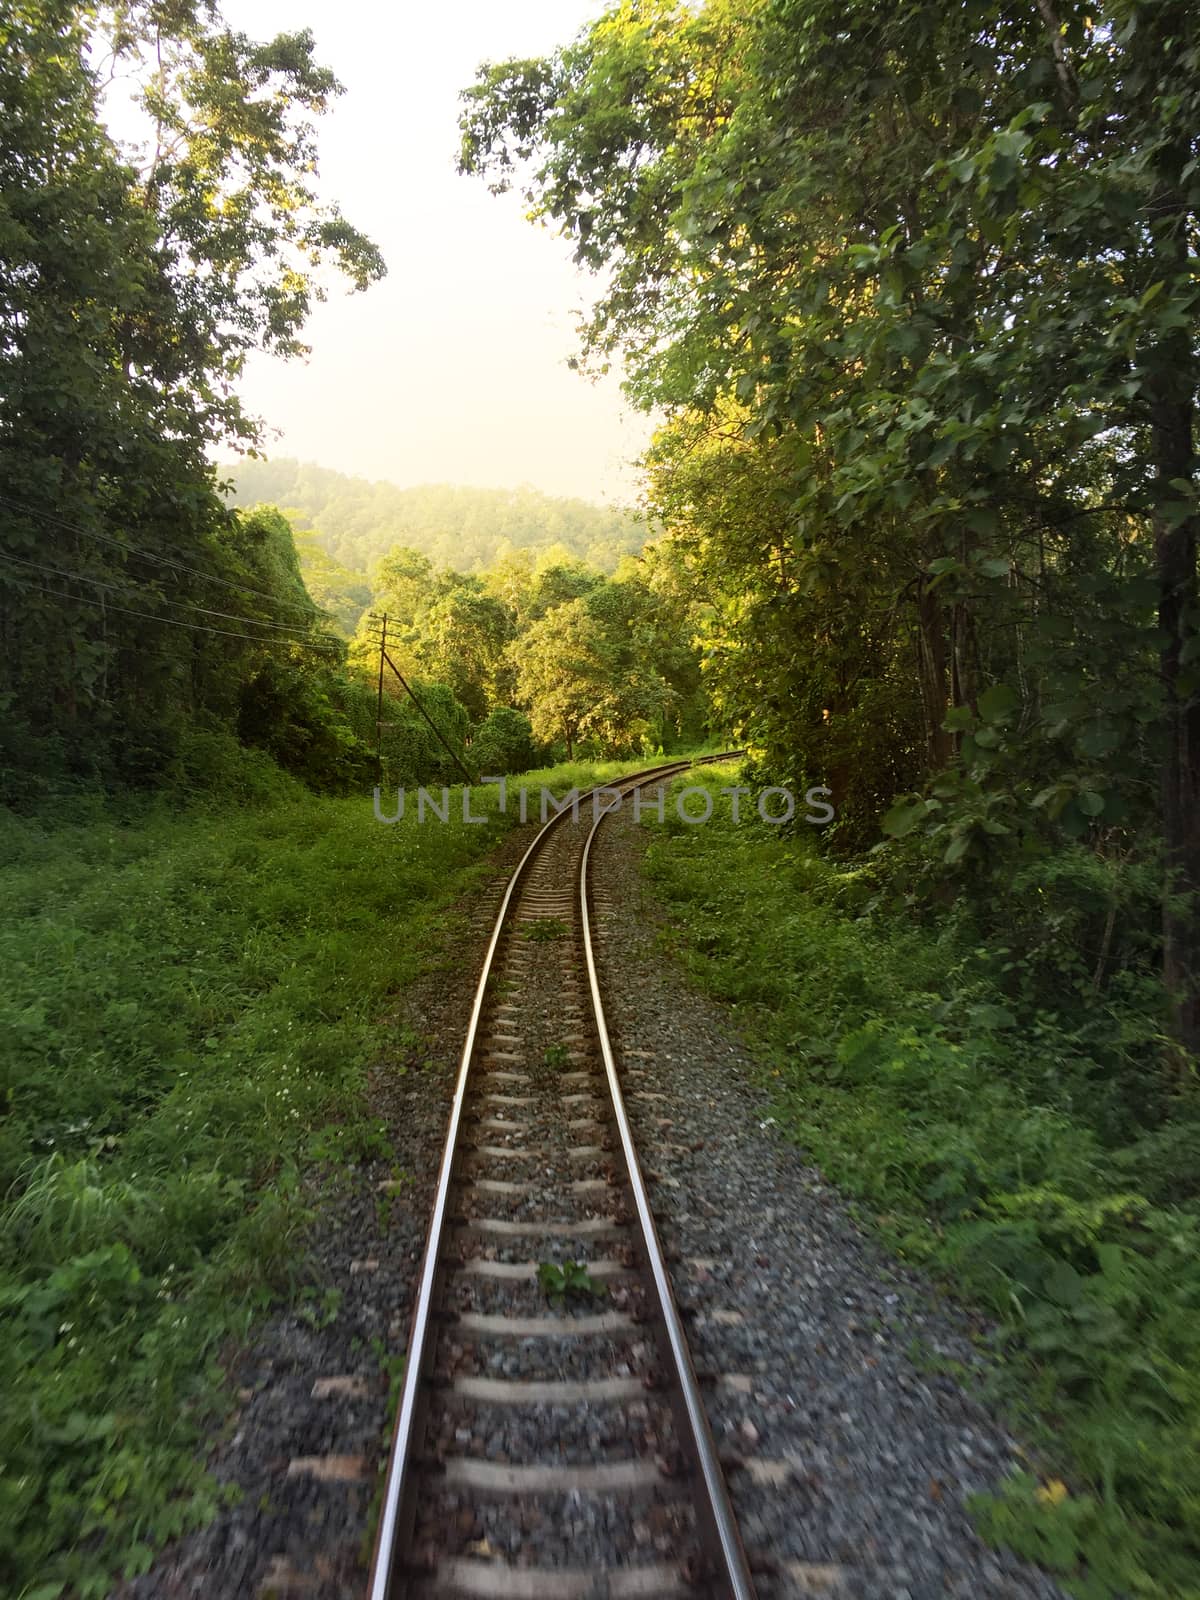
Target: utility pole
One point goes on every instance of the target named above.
(436, 731)
(385, 659)
(379, 706)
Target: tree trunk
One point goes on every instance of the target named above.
(1170, 365)
(964, 646)
(1175, 550)
(931, 672)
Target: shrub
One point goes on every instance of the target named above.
(503, 743)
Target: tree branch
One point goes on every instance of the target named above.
(1066, 75)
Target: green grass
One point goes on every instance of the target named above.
(190, 1003)
(980, 1138)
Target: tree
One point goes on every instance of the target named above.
(558, 582)
(802, 653)
(127, 303)
(571, 678)
(412, 753)
(943, 256)
(403, 584)
(460, 639)
(510, 579)
(503, 743)
(227, 174)
(343, 595)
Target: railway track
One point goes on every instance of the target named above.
(549, 1448)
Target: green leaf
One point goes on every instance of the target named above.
(990, 1016)
(1063, 1284)
(1098, 741)
(998, 704)
(957, 848)
(903, 817)
(1176, 512)
(996, 567)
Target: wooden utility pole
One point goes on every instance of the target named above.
(436, 731)
(385, 659)
(379, 706)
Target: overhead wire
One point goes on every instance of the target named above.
(146, 555)
(173, 622)
(116, 588)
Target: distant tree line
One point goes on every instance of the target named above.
(357, 522)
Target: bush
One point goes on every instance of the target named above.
(211, 764)
(503, 744)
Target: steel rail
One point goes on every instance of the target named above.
(389, 1536)
(722, 1531)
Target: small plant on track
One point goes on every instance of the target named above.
(568, 1281)
(319, 1308)
(546, 929)
(554, 1059)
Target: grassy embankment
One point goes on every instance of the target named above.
(189, 1006)
(991, 1140)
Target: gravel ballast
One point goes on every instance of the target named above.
(865, 1459)
(849, 1463)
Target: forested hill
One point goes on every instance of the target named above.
(357, 521)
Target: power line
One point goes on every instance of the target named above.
(150, 555)
(117, 588)
(172, 622)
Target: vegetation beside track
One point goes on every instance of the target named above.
(191, 1002)
(984, 1129)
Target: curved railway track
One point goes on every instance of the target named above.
(546, 1453)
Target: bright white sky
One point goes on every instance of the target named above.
(453, 369)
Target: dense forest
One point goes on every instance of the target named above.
(467, 580)
(151, 632)
(140, 619)
(595, 664)
(357, 522)
(913, 291)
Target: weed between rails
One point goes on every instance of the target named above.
(566, 1282)
(555, 1059)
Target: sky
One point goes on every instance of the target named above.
(453, 369)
